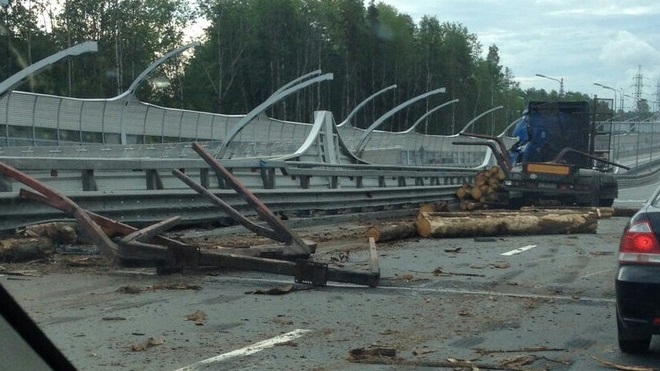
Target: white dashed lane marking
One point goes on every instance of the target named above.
(250, 349)
(518, 250)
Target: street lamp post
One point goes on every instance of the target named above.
(622, 94)
(560, 81)
(614, 90)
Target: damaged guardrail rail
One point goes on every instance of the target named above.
(147, 246)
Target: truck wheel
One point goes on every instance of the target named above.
(606, 202)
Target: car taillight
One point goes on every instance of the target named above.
(639, 245)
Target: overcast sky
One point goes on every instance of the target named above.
(582, 42)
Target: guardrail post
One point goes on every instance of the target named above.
(5, 184)
(88, 181)
(204, 178)
(153, 179)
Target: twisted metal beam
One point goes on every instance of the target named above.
(362, 142)
(243, 122)
(453, 101)
(17, 79)
(147, 71)
(469, 124)
(363, 103)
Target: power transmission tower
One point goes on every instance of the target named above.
(638, 84)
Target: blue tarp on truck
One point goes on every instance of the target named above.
(548, 127)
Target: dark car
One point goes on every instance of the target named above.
(638, 279)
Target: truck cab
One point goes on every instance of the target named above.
(556, 159)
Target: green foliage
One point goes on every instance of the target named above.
(252, 47)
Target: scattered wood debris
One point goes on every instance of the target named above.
(522, 350)
(512, 364)
(173, 286)
(113, 318)
(61, 233)
(420, 352)
(129, 290)
(440, 272)
(28, 273)
(199, 317)
(343, 256)
(360, 354)
(89, 261)
(281, 290)
(623, 367)
(149, 343)
(21, 249)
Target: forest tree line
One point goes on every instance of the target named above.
(250, 48)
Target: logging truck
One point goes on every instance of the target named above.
(561, 157)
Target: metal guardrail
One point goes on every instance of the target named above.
(292, 188)
(147, 207)
(645, 174)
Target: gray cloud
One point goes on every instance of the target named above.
(582, 42)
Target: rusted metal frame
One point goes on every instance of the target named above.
(132, 250)
(228, 209)
(152, 230)
(296, 244)
(500, 144)
(288, 268)
(564, 151)
(179, 255)
(114, 226)
(108, 248)
(502, 160)
(158, 247)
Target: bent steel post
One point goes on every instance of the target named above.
(469, 124)
(427, 114)
(362, 142)
(17, 79)
(263, 106)
(363, 103)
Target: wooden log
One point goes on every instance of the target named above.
(440, 225)
(601, 212)
(501, 175)
(391, 232)
(463, 191)
(15, 250)
(434, 207)
(625, 211)
(475, 205)
(58, 232)
(476, 192)
(480, 179)
(426, 208)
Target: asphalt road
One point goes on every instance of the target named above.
(512, 303)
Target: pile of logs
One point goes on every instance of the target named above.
(483, 191)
